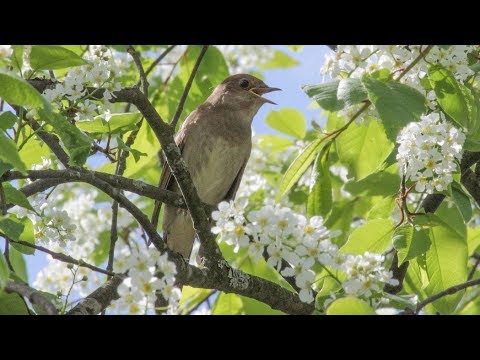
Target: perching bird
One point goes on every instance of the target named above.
(215, 141)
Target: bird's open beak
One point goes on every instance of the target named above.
(259, 91)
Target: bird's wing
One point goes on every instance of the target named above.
(236, 183)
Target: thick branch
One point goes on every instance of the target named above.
(34, 296)
(449, 291)
(56, 177)
(99, 300)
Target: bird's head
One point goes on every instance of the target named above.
(242, 91)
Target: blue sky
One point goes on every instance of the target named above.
(289, 80)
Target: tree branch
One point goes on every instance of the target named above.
(160, 58)
(99, 300)
(63, 257)
(34, 296)
(449, 291)
(55, 177)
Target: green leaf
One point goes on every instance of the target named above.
(4, 272)
(287, 121)
(325, 95)
(295, 47)
(449, 94)
(18, 264)
(279, 60)
(363, 148)
(350, 306)
(299, 166)
(17, 57)
(191, 297)
(382, 209)
(51, 57)
(77, 143)
(9, 153)
(102, 248)
(462, 201)
(4, 167)
(17, 91)
(351, 91)
(12, 228)
(12, 304)
(447, 258)
(473, 239)
(110, 123)
(274, 143)
(320, 195)
(374, 236)
(397, 104)
(410, 243)
(27, 235)
(228, 304)
(16, 197)
(7, 120)
(340, 218)
(383, 183)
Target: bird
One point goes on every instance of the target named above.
(215, 141)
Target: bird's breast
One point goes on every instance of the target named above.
(214, 163)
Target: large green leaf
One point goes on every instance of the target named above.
(449, 94)
(351, 91)
(382, 209)
(17, 91)
(228, 304)
(320, 196)
(350, 306)
(381, 183)
(110, 123)
(462, 201)
(16, 197)
(18, 264)
(340, 218)
(7, 120)
(26, 235)
(473, 239)
(4, 272)
(9, 153)
(279, 60)
(325, 95)
(274, 143)
(374, 236)
(397, 104)
(410, 243)
(12, 304)
(447, 258)
(299, 166)
(11, 227)
(51, 57)
(363, 148)
(288, 121)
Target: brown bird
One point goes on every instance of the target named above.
(215, 141)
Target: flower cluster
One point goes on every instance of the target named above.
(290, 236)
(245, 58)
(5, 51)
(428, 152)
(138, 291)
(99, 72)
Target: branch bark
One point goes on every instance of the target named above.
(34, 296)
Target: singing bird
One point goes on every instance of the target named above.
(215, 141)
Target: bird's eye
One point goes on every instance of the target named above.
(244, 83)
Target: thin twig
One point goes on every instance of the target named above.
(188, 86)
(138, 63)
(474, 268)
(63, 257)
(449, 291)
(3, 201)
(34, 296)
(160, 58)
